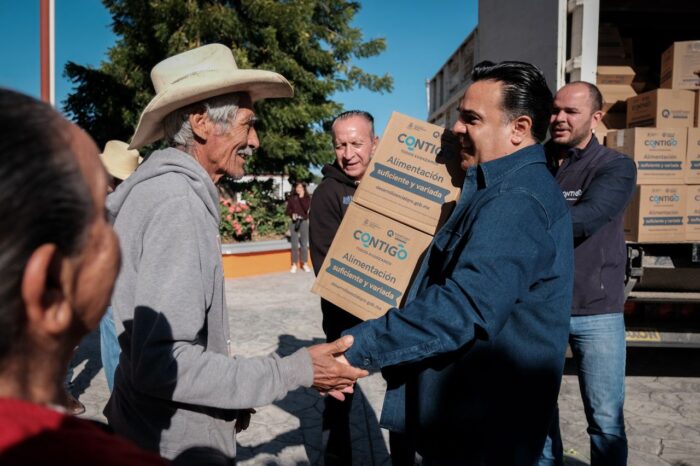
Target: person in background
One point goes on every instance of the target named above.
(59, 258)
(354, 142)
(120, 163)
(597, 182)
(298, 206)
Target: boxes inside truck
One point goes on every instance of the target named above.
(659, 153)
(656, 214)
(661, 108)
(680, 66)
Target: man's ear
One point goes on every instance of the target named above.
(595, 119)
(48, 310)
(200, 125)
(375, 142)
(522, 130)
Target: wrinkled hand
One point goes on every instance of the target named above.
(340, 394)
(243, 419)
(332, 373)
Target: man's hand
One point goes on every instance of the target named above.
(330, 373)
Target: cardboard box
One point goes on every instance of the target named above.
(410, 188)
(615, 120)
(600, 132)
(410, 179)
(615, 96)
(661, 108)
(692, 228)
(656, 214)
(697, 109)
(659, 153)
(692, 158)
(680, 66)
(615, 75)
(370, 263)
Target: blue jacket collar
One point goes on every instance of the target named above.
(494, 171)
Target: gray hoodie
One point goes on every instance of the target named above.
(177, 388)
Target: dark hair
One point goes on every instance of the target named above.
(525, 92)
(303, 185)
(594, 94)
(44, 199)
(352, 113)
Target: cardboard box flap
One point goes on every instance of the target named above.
(615, 75)
(615, 96)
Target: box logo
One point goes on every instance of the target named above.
(654, 143)
(666, 198)
(413, 142)
(370, 241)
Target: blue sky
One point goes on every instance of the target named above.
(420, 36)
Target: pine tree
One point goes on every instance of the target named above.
(310, 42)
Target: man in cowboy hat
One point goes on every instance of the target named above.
(177, 388)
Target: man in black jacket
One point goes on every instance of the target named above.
(354, 142)
(597, 182)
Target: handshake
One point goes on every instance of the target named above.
(333, 374)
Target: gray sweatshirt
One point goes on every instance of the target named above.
(177, 388)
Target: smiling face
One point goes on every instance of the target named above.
(224, 152)
(354, 145)
(573, 117)
(482, 127)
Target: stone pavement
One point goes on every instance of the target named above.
(277, 313)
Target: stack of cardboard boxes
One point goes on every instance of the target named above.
(408, 191)
(615, 84)
(663, 138)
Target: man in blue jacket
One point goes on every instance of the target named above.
(474, 359)
(597, 182)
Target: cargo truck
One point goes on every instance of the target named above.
(568, 40)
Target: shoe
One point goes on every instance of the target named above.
(74, 406)
(293, 269)
(306, 268)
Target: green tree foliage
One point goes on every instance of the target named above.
(310, 42)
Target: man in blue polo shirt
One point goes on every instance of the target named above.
(474, 359)
(597, 182)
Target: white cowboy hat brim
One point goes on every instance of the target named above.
(201, 85)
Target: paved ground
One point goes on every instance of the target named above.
(277, 313)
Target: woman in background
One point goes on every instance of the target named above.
(298, 209)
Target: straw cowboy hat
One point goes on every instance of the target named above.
(119, 161)
(196, 75)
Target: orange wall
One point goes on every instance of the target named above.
(256, 263)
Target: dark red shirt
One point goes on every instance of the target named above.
(34, 434)
(299, 205)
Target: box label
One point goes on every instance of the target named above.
(412, 176)
(370, 263)
(409, 183)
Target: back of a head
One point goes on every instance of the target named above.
(44, 199)
(525, 92)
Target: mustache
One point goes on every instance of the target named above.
(245, 152)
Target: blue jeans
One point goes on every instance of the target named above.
(109, 347)
(598, 345)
